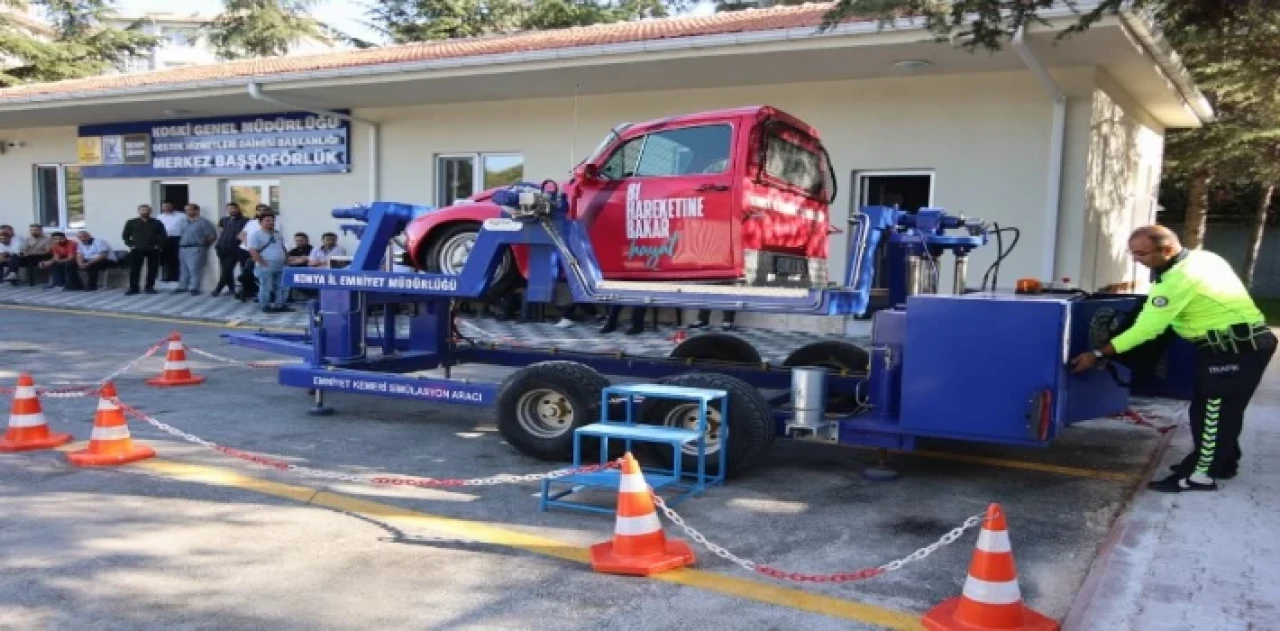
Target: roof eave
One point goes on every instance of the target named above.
(1144, 29)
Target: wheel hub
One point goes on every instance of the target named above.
(545, 413)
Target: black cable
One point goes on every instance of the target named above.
(994, 270)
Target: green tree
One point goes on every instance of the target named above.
(263, 28)
(423, 20)
(80, 43)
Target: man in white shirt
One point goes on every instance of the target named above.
(248, 280)
(328, 247)
(93, 255)
(173, 221)
(10, 248)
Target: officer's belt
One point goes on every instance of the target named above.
(1235, 338)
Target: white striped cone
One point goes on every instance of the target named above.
(110, 442)
(639, 546)
(28, 430)
(176, 371)
(991, 598)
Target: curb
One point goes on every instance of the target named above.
(1125, 524)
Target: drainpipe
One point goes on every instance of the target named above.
(256, 92)
(1057, 149)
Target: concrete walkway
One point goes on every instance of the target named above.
(1198, 561)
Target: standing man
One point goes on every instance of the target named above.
(174, 222)
(197, 235)
(266, 246)
(1198, 295)
(145, 237)
(228, 248)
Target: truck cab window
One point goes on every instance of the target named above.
(686, 151)
(622, 163)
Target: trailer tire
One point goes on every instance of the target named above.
(717, 347)
(540, 406)
(438, 258)
(838, 357)
(751, 428)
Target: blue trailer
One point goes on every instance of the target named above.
(971, 365)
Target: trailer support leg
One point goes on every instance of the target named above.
(881, 471)
(320, 409)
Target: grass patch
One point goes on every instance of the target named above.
(1271, 308)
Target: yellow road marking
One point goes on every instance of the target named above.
(486, 533)
(1114, 476)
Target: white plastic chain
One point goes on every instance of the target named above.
(842, 577)
(78, 392)
(283, 465)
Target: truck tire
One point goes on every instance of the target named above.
(449, 250)
(838, 357)
(540, 406)
(717, 347)
(751, 428)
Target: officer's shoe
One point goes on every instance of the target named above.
(1178, 483)
(1217, 475)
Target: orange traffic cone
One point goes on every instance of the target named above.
(991, 599)
(28, 430)
(110, 442)
(638, 547)
(176, 372)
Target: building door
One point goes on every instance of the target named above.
(249, 193)
(905, 190)
(175, 193)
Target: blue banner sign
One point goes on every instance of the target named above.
(405, 387)
(391, 282)
(269, 144)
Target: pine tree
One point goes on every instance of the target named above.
(81, 44)
(263, 28)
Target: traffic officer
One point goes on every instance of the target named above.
(1198, 294)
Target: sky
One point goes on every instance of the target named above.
(344, 15)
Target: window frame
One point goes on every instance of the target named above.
(829, 190)
(644, 143)
(64, 211)
(477, 171)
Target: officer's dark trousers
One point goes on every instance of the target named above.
(1225, 382)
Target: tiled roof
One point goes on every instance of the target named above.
(784, 17)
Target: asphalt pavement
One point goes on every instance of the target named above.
(197, 539)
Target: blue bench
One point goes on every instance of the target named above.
(686, 483)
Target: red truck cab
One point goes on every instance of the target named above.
(738, 196)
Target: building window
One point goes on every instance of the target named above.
(456, 174)
(247, 194)
(59, 195)
(905, 190)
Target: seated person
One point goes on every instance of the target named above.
(328, 248)
(93, 254)
(34, 250)
(62, 251)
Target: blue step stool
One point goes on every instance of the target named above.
(686, 483)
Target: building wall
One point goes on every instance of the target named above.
(985, 137)
(24, 148)
(1123, 175)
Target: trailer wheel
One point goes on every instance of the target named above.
(838, 357)
(751, 424)
(449, 251)
(718, 347)
(540, 406)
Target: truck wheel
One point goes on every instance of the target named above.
(720, 347)
(837, 357)
(540, 406)
(450, 249)
(751, 424)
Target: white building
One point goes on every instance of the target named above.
(1062, 139)
(184, 42)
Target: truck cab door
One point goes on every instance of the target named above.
(662, 206)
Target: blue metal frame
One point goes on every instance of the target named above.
(687, 484)
(898, 406)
